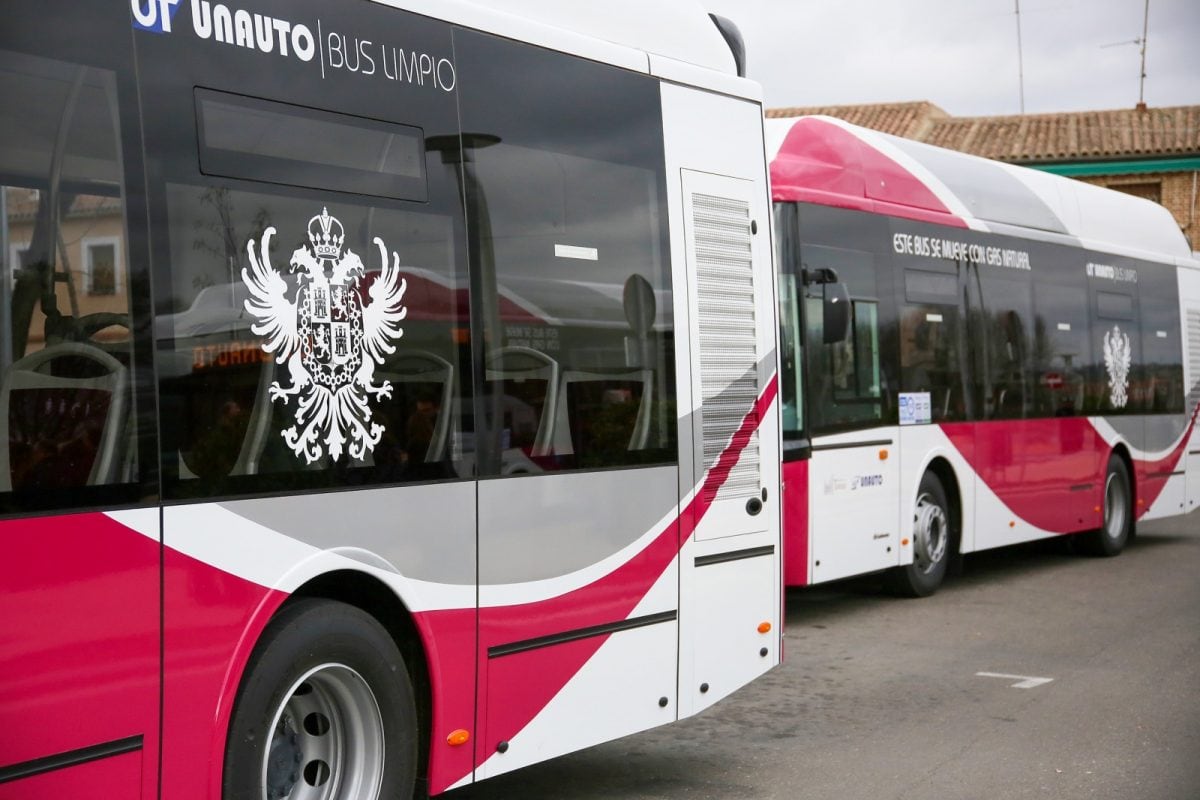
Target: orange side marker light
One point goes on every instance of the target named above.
(883, 455)
(1012, 523)
(458, 738)
(764, 627)
(904, 542)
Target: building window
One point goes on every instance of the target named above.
(100, 257)
(1150, 190)
(15, 252)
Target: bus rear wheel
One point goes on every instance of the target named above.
(325, 711)
(932, 543)
(1112, 536)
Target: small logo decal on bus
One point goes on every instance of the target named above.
(154, 15)
(1118, 354)
(330, 340)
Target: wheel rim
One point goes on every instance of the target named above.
(326, 739)
(930, 534)
(1115, 507)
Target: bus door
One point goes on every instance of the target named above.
(1189, 282)
(797, 447)
(79, 599)
(854, 490)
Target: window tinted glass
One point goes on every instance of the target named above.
(66, 353)
(787, 256)
(238, 413)
(847, 382)
(568, 193)
(1159, 381)
(933, 359)
(1061, 351)
(244, 137)
(1114, 306)
(312, 319)
(1003, 365)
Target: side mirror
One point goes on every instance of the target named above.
(836, 312)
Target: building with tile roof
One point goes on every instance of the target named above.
(1149, 152)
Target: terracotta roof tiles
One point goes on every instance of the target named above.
(1032, 138)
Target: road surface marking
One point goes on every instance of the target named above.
(1022, 681)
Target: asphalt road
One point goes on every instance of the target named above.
(881, 698)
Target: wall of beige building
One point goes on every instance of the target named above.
(1176, 191)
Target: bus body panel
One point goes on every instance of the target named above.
(795, 479)
(79, 655)
(854, 493)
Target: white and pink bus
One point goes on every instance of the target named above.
(972, 355)
(388, 390)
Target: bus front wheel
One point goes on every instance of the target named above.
(325, 711)
(932, 542)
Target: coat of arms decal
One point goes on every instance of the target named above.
(1118, 355)
(329, 339)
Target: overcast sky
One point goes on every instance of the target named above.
(962, 54)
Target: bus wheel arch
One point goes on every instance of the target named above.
(381, 669)
(936, 533)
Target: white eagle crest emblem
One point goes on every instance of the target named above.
(330, 341)
(1118, 355)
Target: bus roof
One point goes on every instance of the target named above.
(827, 161)
(673, 39)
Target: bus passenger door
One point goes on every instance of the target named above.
(1189, 290)
(854, 472)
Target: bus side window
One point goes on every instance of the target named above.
(1004, 366)
(848, 388)
(931, 359)
(66, 347)
(1061, 352)
(575, 282)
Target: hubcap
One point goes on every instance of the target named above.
(326, 739)
(930, 532)
(1115, 505)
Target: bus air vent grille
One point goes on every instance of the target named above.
(1193, 335)
(728, 354)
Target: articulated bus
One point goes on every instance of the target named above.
(388, 390)
(972, 355)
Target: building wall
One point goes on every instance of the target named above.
(1177, 191)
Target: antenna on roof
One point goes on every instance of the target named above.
(1020, 58)
(1141, 104)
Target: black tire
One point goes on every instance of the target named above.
(933, 543)
(325, 690)
(1113, 534)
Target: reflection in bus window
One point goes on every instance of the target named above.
(931, 359)
(236, 411)
(1061, 353)
(573, 263)
(65, 352)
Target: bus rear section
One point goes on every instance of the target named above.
(1019, 360)
(390, 397)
